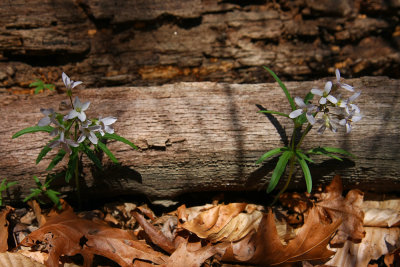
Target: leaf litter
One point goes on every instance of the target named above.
(320, 229)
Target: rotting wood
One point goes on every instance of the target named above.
(207, 136)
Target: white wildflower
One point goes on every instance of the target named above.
(352, 115)
(50, 117)
(325, 94)
(64, 143)
(327, 122)
(87, 131)
(303, 108)
(78, 110)
(68, 82)
(105, 124)
(342, 85)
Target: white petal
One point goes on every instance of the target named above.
(316, 92)
(328, 87)
(322, 101)
(310, 118)
(347, 87)
(342, 122)
(75, 84)
(44, 121)
(356, 118)
(85, 106)
(72, 114)
(77, 102)
(111, 120)
(93, 138)
(354, 96)
(295, 113)
(72, 143)
(81, 138)
(65, 79)
(332, 99)
(337, 72)
(81, 116)
(348, 128)
(109, 129)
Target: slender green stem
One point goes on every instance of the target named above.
(78, 191)
(304, 135)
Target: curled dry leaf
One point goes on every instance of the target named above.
(377, 242)
(155, 234)
(193, 257)
(265, 247)
(224, 222)
(64, 233)
(347, 209)
(8, 259)
(382, 213)
(4, 228)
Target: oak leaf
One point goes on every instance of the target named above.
(348, 209)
(4, 228)
(64, 233)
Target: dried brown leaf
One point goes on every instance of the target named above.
(310, 242)
(155, 234)
(4, 228)
(64, 233)
(382, 213)
(346, 209)
(377, 242)
(189, 257)
(213, 224)
(8, 259)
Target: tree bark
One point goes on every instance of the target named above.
(152, 42)
(207, 136)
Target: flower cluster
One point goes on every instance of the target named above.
(335, 111)
(85, 129)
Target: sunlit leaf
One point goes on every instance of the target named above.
(285, 90)
(279, 169)
(119, 138)
(33, 129)
(307, 174)
(275, 112)
(270, 154)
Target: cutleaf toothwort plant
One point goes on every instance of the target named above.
(330, 111)
(75, 134)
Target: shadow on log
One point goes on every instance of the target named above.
(197, 137)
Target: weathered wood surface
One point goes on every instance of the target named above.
(142, 43)
(207, 136)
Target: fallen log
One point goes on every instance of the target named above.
(206, 137)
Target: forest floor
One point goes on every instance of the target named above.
(325, 228)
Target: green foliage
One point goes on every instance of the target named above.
(40, 86)
(3, 187)
(45, 191)
(33, 129)
(76, 134)
(292, 153)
